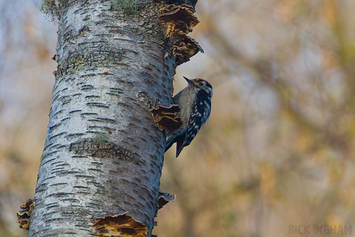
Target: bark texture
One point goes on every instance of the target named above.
(103, 153)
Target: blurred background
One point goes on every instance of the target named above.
(278, 150)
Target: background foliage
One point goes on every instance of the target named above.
(279, 147)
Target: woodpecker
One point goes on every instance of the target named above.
(195, 104)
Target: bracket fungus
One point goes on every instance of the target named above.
(24, 214)
(185, 49)
(120, 225)
(177, 20)
(166, 118)
(164, 198)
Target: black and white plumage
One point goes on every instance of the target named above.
(195, 104)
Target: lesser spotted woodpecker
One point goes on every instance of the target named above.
(195, 104)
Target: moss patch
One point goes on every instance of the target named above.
(130, 7)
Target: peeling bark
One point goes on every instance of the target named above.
(103, 153)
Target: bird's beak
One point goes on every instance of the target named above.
(188, 80)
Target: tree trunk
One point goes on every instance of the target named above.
(103, 153)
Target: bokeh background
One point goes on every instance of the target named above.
(279, 147)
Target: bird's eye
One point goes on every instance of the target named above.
(200, 84)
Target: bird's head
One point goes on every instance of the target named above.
(201, 84)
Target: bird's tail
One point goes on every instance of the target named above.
(169, 143)
(179, 143)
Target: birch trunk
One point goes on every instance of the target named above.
(103, 153)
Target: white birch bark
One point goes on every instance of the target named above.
(103, 153)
